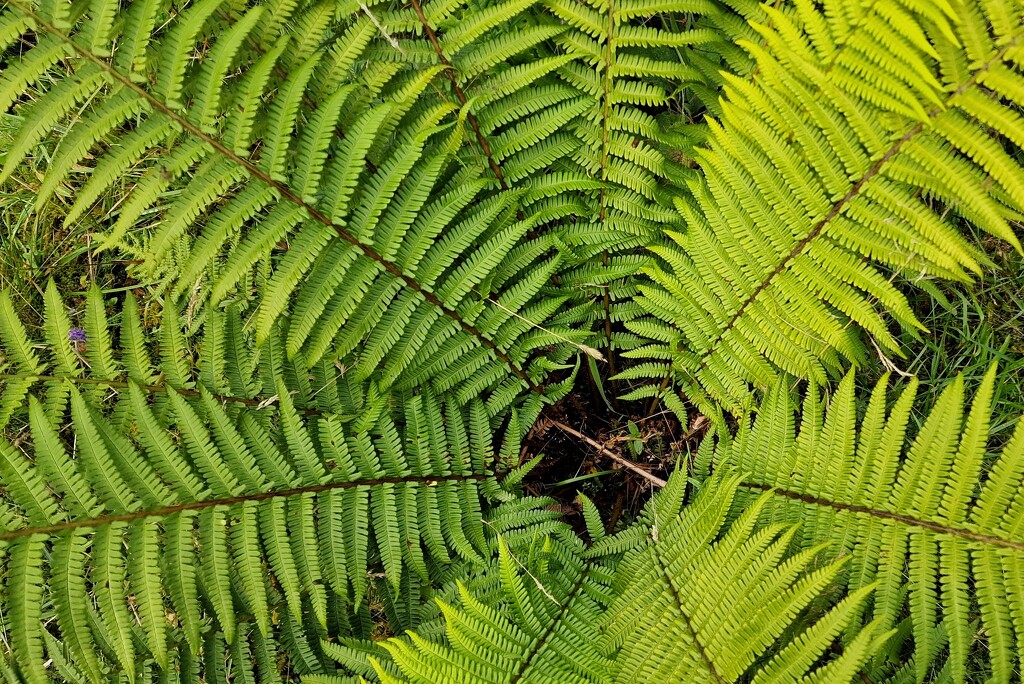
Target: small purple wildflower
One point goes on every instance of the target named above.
(76, 335)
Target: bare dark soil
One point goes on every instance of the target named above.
(572, 466)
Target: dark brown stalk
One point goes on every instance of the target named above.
(229, 501)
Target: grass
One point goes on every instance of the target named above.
(970, 327)
(37, 246)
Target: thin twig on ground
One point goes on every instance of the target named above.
(653, 479)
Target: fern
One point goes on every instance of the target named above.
(382, 231)
(379, 239)
(932, 522)
(935, 511)
(854, 139)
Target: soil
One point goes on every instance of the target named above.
(618, 493)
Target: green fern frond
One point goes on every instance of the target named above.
(370, 199)
(846, 154)
(933, 522)
(209, 493)
(109, 492)
(628, 56)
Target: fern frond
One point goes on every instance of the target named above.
(208, 493)
(850, 142)
(362, 196)
(924, 519)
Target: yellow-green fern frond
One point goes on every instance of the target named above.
(860, 140)
(933, 520)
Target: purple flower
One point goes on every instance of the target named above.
(76, 335)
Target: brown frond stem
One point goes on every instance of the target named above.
(152, 389)
(667, 576)
(888, 515)
(606, 112)
(229, 501)
(549, 630)
(450, 71)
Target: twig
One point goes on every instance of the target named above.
(380, 27)
(653, 479)
(589, 351)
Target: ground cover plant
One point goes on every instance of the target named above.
(511, 341)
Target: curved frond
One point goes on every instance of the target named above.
(355, 192)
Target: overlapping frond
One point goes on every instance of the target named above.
(539, 626)
(699, 601)
(497, 74)
(101, 348)
(629, 61)
(934, 522)
(251, 500)
(863, 137)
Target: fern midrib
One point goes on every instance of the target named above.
(151, 389)
(549, 630)
(286, 193)
(854, 191)
(828, 66)
(682, 612)
(450, 72)
(609, 55)
(165, 511)
(888, 515)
